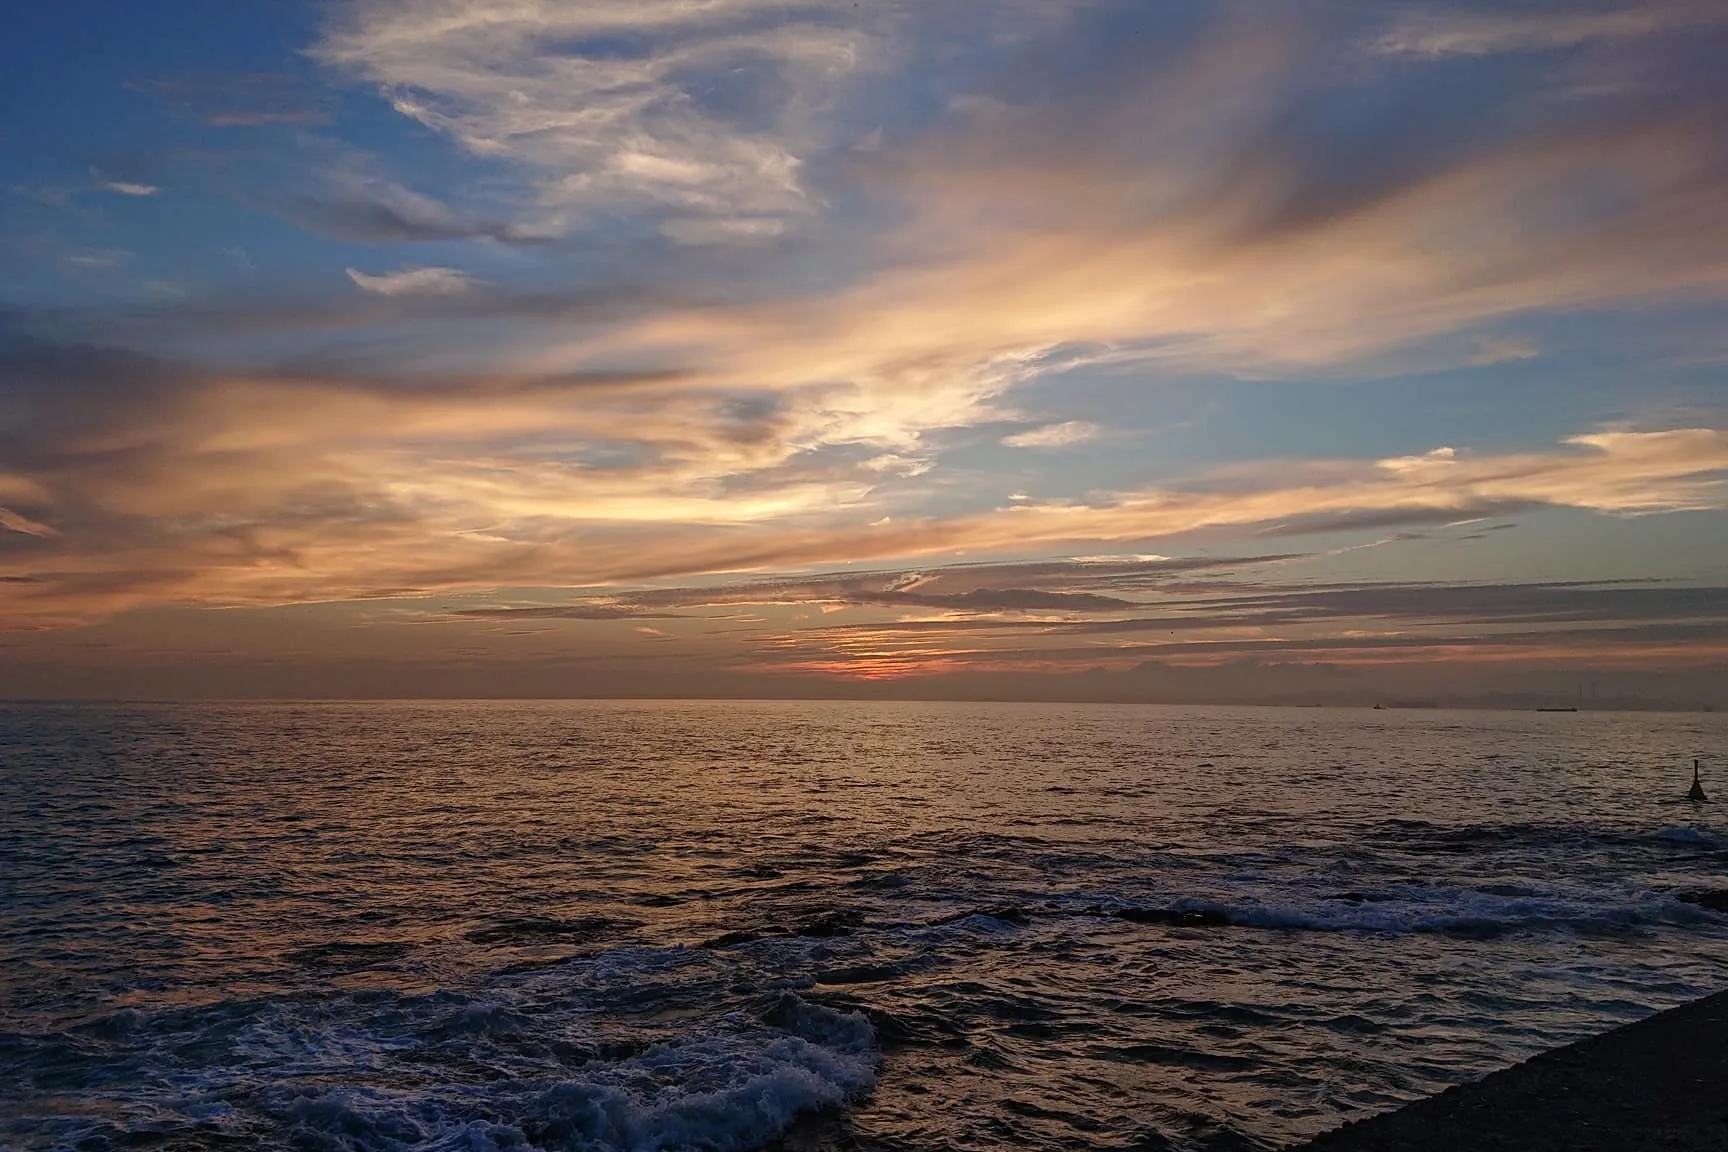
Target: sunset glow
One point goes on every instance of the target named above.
(1020, 348)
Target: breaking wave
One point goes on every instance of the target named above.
(379, 1072)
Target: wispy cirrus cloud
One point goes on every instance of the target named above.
(1504, 349)
(428, 281)
(1039, 226)
(1436, 30)
(1098, 226)
(1063, 435)
(697, 108)
(105, 258)
(705, 113)
(347, 198)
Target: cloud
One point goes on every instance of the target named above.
(1504, 349)
(1009, 587)
(1062, 435)
(1182, 204)
(1479, 607)
(1625, 473)
(1176, 670)
(351, 202)
(841, 591)
(372, 221)
(107, 258)
(600, 610)
(1381, 625)
(1493, 603)
(707, 113)
(128, 188)
(1152, 206)
(998, 600)
(602, 102)
(159, 485)
(1202, 213)
(430, 281)
(1436, 31)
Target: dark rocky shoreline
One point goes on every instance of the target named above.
(1659, 1085)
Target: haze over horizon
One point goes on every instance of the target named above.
(1022, 349)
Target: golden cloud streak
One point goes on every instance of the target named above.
(287, 522)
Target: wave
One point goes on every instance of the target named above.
(1482, 912)
(1698, 837)
(1425, 838)
(716, 1092)
(381, 1072)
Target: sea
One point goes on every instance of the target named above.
(801, 926)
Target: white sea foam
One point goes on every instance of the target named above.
(714, 1092)
(442, 1073)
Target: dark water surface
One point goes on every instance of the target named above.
(819, 925)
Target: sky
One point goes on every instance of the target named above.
(1289, 350)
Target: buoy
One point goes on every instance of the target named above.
(1697, 792)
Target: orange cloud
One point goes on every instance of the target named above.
(1159, 218)
(270, 494)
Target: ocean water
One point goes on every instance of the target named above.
(725, 926)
